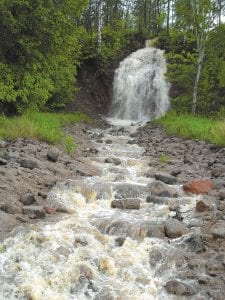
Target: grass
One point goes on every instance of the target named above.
(163, 158)
(194, 127)
(47, 127)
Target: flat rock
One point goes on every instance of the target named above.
(198, 186)
(176, 287)
(166, 178)
(38, 211)
(129, 190)
(174, 228)
(158, 188)
(218, 230)
(157, 200)
(29, 163)
(113, 160)
(126, 203)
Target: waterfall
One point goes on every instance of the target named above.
(140, 91)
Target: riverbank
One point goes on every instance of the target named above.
(30, 168)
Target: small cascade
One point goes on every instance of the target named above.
(140, 91)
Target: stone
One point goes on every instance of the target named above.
(3, 162)
(126, 204)
(129, 190)
(218, 183)
(218, 172)
(38, 211)
(157, 199)
(42, 195)
(11, 208)
(174, 228)
(195, 243)
(158, 188)
(179, 288)
(203, 205)
(113, 160)
(215, 268)
(222, 194)
(176, 172)
(198, 186)
(49, 210)
(108, 142)
(29, 163)
(53, 154)
(28, 198)
(166, 178)
(7, 223)
(218, 230)
(120, 241)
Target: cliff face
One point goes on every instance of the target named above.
(95, 83)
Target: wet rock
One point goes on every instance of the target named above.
(113, 160)
(108, 142)
(166, 178)
(28, 198)
(203, 205)
(120, 241)
(38, 211)
(53, 154)
(176, 287)
(195, 243)
(218, 183)
(153, 230)
(218, 230)
(198, 186)
(159, 188)
(119, 177)
(157, 199)
(29, 163)
(129, 190)
(215, 268)
(174, 228)
(126, 204)
(3, 162)
(131, 142)
(63, 251)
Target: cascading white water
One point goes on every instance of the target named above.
(140, 91)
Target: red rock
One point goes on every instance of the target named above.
(198, 186)
(50, 210)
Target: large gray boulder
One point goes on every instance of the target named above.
(174, 228)
(166, 178)
(158, 188)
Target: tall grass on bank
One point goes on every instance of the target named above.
(194, 127)
(46, 127)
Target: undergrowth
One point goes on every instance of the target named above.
(47, 127)
(194, 127)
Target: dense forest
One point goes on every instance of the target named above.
(44, 42)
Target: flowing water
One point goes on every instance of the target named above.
(140, 89)
(98, 252)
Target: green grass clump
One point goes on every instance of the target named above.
(194, 127)
(163, 159)
(47, 127)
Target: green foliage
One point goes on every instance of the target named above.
(163, 158)
(46, 127)
(39, 52)
(189, 126)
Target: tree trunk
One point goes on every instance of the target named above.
(197, 78)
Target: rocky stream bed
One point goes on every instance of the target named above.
(123, 219)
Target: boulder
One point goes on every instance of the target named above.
(113, 160)
(7, 223)
(28, 198)
(198, 186)
(158, 188)
(222, 194)
(174, 228)
(176, 287)
(157, 199)
(166, 178)
(38, 211)
(3, 162)
(218, 230)
(53, 154)
(126, 204)
(29, 163)
(129, 190)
